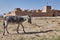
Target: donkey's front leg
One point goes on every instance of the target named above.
(23, 28)
(18, 28)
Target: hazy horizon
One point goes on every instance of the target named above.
(9, 5)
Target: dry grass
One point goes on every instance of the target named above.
(40, 29)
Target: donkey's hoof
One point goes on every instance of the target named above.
(24, 32)
(18, 32)
(8, 32)
(3, 34)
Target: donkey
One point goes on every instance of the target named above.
(15, 19)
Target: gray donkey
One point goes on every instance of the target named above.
(15, 19)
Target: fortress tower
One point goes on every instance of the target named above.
(46, 9)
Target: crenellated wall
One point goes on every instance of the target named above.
(46, 11)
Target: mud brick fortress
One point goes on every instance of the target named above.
(46, 11)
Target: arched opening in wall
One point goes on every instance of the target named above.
(53, 15)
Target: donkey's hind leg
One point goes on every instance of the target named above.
(4, 31)
(5, 27)
(7, 30)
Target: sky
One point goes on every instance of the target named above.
(9, 5)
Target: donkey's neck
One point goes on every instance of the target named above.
(25, 17)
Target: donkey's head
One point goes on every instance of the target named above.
(29, 19)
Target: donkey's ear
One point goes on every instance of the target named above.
(28, 15)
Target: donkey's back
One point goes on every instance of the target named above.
(15, 19)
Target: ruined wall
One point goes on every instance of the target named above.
(35, 13)
(55, 12)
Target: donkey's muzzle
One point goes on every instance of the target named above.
(29, 20)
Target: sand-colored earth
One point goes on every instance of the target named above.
(40, 29)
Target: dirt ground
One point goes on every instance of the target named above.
(40, 29)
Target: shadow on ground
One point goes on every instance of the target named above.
(33, 32)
